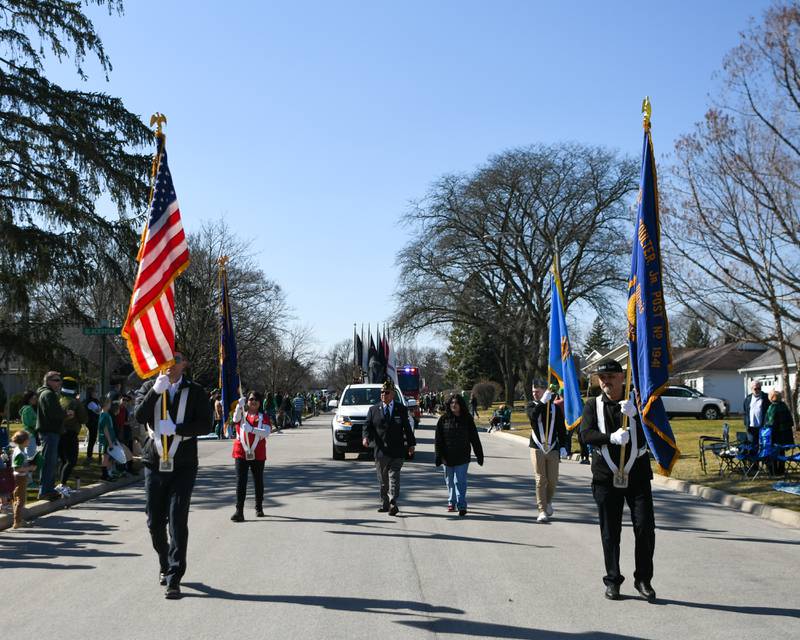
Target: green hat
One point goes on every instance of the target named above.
(69, 386)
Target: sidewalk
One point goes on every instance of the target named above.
(43, 507)
(785, 517)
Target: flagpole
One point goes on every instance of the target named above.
(621, 478)
(157, 119)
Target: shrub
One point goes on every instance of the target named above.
(486, 391)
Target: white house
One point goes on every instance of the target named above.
(767, 370)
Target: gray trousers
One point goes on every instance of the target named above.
(388, 470)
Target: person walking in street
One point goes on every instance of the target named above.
(50, 425)
(250, 451)
(170, 472)
(298, 404)
(388, 431)
(601, 427)
(455, 435)
(547, 443)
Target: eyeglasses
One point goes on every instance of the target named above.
(383, 393)
(54, 379)
(178, 359)
(252, 399)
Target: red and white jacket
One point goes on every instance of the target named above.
(246, 433)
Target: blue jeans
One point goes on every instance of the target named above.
(456, 480)
(49, 462)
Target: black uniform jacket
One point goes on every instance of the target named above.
(601, 473)
(197, 421)
(391, 438)
(454, 437)
(536, 410)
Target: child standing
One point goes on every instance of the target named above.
(22, 467)
(107, 436)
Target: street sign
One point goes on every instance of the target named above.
(102, 331)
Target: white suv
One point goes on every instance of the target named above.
(351, 415)
(684, 401)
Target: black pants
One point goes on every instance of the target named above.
(610, 502)
(256, 467)
(168, 497)
(68, 454)
(91, 440)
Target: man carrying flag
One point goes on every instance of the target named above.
(175, 409)
(622, 473)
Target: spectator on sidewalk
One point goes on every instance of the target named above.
(93, 409)
(68, 444)
(27, 414)
(298, 405)
(107, 436)
(473, 403)
(50, 425)
(22, 467)
(779, 417)
(755, 411)
(219, 422)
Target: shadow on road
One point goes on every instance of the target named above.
(490, 630)
(59, 536)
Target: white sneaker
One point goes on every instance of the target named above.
(549, 510)
(60, 489)
(542, 517)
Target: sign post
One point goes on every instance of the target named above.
(103, 330)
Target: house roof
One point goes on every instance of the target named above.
(724, 357)
(772, 360)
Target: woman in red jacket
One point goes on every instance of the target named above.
(250, 451)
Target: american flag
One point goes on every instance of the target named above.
(150, 326)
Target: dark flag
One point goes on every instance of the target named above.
(229, 383)
(650, 355)
(374, 362)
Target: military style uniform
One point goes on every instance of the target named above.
(169, 492)
(545, 444)
(390, 434)
(602, 417)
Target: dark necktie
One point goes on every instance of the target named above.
(387, 414)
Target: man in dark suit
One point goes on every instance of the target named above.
(170, 472)
(755, 411)
(601, 427)
(389, 432)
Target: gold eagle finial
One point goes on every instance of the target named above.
(158, 120)
(647, 110)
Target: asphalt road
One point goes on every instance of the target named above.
(325, 564)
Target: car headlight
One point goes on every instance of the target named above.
(344, 421)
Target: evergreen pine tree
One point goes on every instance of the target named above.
(598, 338)
(697, 336)
(60, 149)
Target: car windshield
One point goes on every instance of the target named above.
(361, 396)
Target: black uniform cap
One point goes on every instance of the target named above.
(608, 366)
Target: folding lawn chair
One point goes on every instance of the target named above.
(715, 445)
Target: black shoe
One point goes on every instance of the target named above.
(612, 592)
(462, 512)
(238, 516)
(259, 512)
(383, 509)
(393, 510)
(50, 496)
(173, 592)
(646, 590)
(162, 579)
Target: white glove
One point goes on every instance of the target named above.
(628, 408)
(547, 396)
(238, 413)
(242, 402)
(620, 437)
(563, 452)
(161, 384)
(167, 427)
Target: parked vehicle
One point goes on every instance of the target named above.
(685, 401)
(350, 416)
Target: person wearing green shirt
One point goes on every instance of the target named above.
(27, 414)
(106, 436)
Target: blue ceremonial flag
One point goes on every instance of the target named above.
(561, 362)
(649, 350)
(228, 360)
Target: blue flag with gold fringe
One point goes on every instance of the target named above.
(648, 329)
(561, 361)
(229, 383)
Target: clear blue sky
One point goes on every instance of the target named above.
(311, 125)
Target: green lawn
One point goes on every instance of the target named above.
(687, 433)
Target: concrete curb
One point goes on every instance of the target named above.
(43, 507)
(786, 517)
